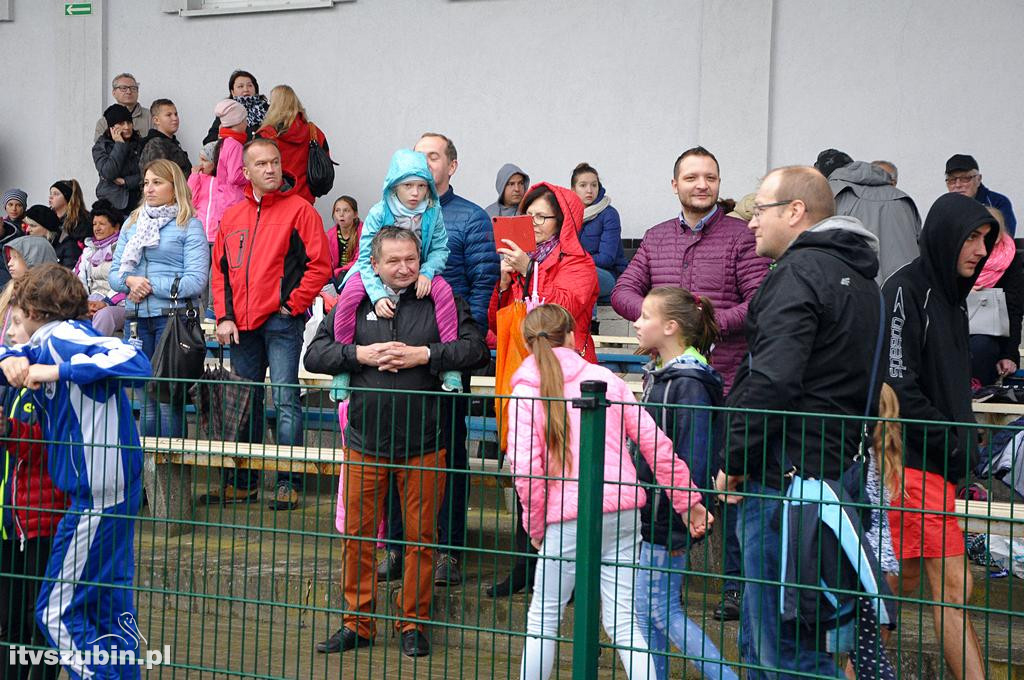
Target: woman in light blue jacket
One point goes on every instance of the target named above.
(162, 242)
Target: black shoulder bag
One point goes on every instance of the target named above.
(180, 353)
(319, 167)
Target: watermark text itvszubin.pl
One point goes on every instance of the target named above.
(87, 658)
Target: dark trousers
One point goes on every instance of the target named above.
(451, 516)
(19, 589)
(732, 564)
(985, 352)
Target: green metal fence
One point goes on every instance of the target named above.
(241, 590)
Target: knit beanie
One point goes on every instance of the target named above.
(43, 216)
(64, 187)
(230, 112)
(831, 160)
(18, 195)
(116, 113)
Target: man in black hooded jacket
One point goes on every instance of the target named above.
(813, 328)
(928, 366)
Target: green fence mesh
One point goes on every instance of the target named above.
(209, 549)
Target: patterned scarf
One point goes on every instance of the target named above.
(544, 249)
(255, 109)
(147, 233)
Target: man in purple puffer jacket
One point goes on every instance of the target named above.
(701, 250)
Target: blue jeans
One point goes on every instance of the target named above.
(661, 617)
(276, 344)
(605, 283)
(765, 640)
(158, 420)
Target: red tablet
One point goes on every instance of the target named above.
(518, 229)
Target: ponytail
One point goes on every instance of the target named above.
(545, 328)
(888, 442)
(695, 316)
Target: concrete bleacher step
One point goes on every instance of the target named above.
(610, 323)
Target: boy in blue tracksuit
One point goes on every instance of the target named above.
(95, 459)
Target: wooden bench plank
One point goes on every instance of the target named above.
(246, 456)
(987, 517)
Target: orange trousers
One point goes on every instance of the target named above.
(421, 491)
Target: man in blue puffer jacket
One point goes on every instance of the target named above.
(471, 271)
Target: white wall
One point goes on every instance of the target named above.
(624, 85)
(909, 81)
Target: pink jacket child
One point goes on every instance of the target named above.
(214, 194)
(550, 501)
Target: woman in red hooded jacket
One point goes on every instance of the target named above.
(286, 124)
(565, 273)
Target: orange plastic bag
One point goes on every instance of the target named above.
(509, 354)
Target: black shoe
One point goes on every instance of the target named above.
(729, 610)
(520, 577)
(446, 570)
(390, 568)
(342, 641)
(415, 643)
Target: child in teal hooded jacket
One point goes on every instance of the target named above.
(409, 201)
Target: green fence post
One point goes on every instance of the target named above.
(593, 410)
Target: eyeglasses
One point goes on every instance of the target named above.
(758, 209)
(127, 88)
(961, 179)
(539, 220)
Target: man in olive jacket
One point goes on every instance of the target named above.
(401, 353)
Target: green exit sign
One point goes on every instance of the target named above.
(72, 9)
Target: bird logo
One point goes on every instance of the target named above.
(132, 635)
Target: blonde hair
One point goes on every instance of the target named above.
(888, 441)
(547, 327)
(76, 207)
(284, 108)
(1000, 219)
(170, 172)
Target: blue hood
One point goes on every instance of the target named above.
(406, 163)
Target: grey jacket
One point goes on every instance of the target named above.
(863, 191)
(499, 209)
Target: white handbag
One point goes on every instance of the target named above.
(987, 312)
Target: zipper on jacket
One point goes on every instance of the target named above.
(248, 259)
(19, 531)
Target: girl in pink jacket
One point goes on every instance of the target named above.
(543, 445)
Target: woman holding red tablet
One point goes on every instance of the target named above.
(559, 269)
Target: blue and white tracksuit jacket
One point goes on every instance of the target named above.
(97, 460)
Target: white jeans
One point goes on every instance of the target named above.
(553, 585)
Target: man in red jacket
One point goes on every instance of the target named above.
(270, 261)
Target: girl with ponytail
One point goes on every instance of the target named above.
(679, 385)
(543, 445)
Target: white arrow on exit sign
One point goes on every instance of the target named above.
(77, 8)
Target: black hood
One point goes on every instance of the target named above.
(950, 221)
(710, 378)
(845, 238)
